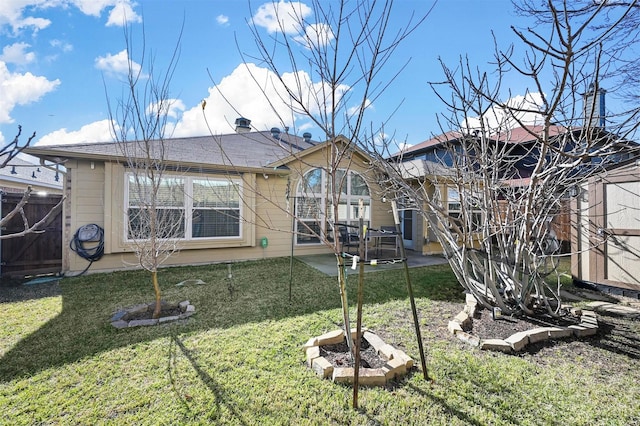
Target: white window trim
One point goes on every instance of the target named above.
(323, 196)
(458, 199)
(188, 207)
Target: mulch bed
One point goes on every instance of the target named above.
(485, 327)
(165, 311)
(338, 355)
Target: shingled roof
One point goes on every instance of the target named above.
(21, 173)
(239, 150)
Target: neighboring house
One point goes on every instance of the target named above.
(259, 173)
(428, 162)
(606, 238)
(20, 174)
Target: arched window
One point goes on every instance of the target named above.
(314, 198)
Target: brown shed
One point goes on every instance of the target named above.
(606, 231)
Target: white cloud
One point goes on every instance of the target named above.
(354, 110)
(121, 10)
(282, 16)
(17, 54)
(93, 7)
(240, 90)
(99, 131)
(21, 89)
(117, 64)
(403, 146)
(503, 118)
(62, 45)
(316, 36)
(18, 14)
(171, 107)
(222, 20)
(123, 14)
(12, 15)
(266, 105)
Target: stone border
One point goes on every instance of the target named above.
(120, 318)
(615, 309)
(397, 361)
(588, 326)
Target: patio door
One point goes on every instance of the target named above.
(406, 225)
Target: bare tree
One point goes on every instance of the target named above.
(155, 190)
(7, 153)
(347, 47)
(509, 168)
(620, 62)
(344, 51)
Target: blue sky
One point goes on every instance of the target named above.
(57, 57)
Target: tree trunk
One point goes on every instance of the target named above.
(342, 284)
(156, 288)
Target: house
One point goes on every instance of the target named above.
(256, 178)
(606, 237)
(428, 164)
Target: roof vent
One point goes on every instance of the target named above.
(243, 125)
(275, 133)
(307, 137)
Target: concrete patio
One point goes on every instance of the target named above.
(326, 263)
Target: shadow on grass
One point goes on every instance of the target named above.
(220, 397)
(260, 292)
(445, 406)
(619, 335)
(17, 291)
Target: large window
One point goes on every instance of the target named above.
(454, 207)
(314, 197)
(186, 207)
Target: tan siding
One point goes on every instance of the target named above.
(98, 197)
(87, 194)
(272, 219)
(380, 212)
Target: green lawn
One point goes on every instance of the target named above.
(238, 360)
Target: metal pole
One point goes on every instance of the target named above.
(293, 238)
(416, 322)
(356, 368)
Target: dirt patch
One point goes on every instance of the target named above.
(142, 315)
(338, 355)
(166, 311)
(485, 327)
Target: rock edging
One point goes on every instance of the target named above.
(588, 326)
(120, 319)
(397, 362)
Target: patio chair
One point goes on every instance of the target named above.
(348, 239)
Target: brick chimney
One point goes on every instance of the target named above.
(594, 107)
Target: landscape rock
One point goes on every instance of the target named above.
(518, 341)
(142, 322)
(330, 338)
(322, 367)
(495, 345)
